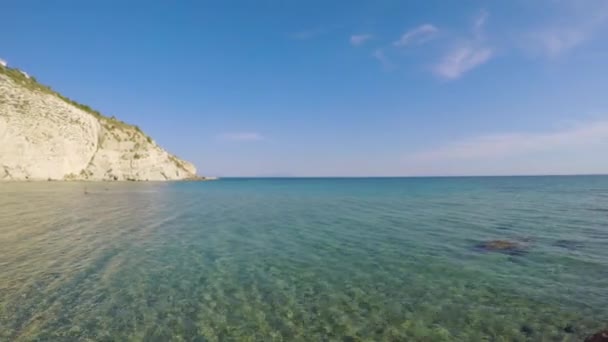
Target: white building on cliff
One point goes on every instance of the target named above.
(3, 62)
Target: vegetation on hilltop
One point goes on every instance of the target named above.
(30, 83)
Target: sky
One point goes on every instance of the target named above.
(335, 88)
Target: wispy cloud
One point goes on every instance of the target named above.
(479, 24)
(360, 39)
(468, 54)
(585, 19)
(498, 146)
(460, 60)
(554, 42)
(417, 35)
(241, 136)
(379, 55)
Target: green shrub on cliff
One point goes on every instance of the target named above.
(30, 82)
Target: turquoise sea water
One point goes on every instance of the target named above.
(304, 260)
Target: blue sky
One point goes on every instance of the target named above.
(335, 88)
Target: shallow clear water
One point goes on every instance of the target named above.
(304, 260)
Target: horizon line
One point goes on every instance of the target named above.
(428, 176)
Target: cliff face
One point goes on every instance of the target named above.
(45, 136)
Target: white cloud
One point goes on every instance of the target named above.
(360, 39)
(499, 146)
(460, 60)
(418, 35)
(555, 41)
(584, 21)
(382, 58)
(479, 23)
(241, 136)
(468, 54)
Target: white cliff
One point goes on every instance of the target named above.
(45, 136)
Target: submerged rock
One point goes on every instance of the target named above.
(527, 330)
(501, 246)
(601, 336)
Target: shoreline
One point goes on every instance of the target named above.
(190, 179)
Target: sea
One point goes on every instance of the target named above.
(305, 259)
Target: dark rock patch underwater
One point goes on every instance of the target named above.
(501, 246)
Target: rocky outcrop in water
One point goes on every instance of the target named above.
(46, 136)
(501, 246)
(601, 336)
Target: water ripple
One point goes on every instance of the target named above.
(303, 260)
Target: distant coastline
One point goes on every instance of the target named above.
(191, 179)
